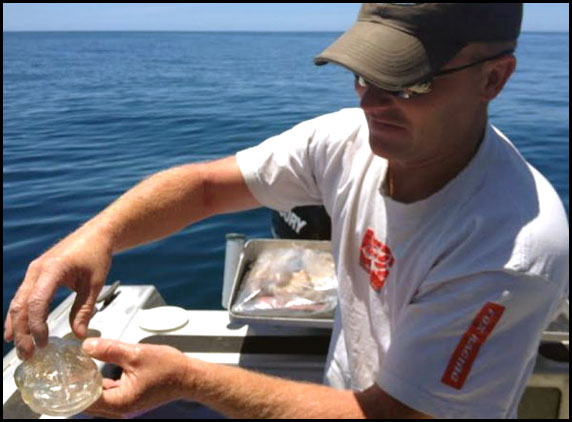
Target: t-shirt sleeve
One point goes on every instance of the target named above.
(280, 172)
(304, 165)
(466, 348)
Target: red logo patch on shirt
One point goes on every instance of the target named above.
(468, 348)
(376, 258)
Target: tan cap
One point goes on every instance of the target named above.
(396, 45)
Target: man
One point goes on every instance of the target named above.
(451, 250)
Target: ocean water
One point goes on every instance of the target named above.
(88, 115)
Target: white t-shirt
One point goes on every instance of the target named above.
(442, 301)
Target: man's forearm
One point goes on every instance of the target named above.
(155, 208)
(240, 393)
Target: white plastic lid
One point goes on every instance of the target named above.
(163, 318)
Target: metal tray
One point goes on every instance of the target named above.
(252, 249)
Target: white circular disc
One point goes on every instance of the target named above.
(163, 318)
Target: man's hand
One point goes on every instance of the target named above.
(152, 375)
(155, 208)
(80, 262)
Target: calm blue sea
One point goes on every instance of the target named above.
(88, 115)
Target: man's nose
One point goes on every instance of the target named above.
(372, 96)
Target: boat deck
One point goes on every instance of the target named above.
(292, 352)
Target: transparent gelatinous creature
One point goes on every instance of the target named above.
(60, 379)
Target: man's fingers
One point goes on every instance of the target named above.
(8, 337)
(18, 314)
(82, 310)
(22, 340)
(24, 346)
(111, 404)
(109, 383)
(111, 351)
(39, 307)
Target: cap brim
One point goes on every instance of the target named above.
(384, 56)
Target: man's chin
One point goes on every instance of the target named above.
(389, 145)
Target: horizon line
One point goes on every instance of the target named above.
(226, 31)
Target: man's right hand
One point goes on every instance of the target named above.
(155, 208)
(81, 262)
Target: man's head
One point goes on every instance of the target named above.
(451, 59)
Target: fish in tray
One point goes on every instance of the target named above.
(296, 281)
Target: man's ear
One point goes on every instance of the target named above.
(496, 74)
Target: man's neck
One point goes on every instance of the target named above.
(410, 183)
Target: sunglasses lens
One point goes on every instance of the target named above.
(404, 94)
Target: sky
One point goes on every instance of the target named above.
(546, 17)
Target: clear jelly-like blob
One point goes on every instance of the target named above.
(60, 379)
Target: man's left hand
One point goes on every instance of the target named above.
(152, 375)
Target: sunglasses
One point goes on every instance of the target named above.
(425, 87)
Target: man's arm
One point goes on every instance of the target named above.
(172, 199)
(157, 207)
(239, 393)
